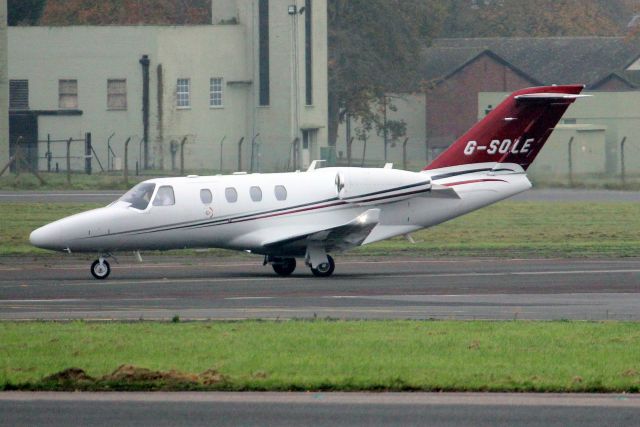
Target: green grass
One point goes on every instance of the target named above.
(326, 355)
(20, 219)
(515, 229)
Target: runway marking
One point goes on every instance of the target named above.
(248, 298)
(361, 262)
(64, 300)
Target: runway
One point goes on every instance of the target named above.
(200, 288)
(316, 409)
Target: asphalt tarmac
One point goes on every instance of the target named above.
(199, 288)
(204, 287)
(316, 409)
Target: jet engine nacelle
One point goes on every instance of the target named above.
(375, 186)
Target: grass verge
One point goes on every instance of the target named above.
(322, 355)
(515, 229)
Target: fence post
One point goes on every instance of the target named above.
(253, 149)
(349, 148)
(404, 154)
(69, 161)
(221, 150)
(184, 140)
(570, 162)
(49, 155)
(622, 166)
(295, 147)
(87, 153)
(240, 154)
(126, 161)
(110, 153)
(364, 150)
(18, 155)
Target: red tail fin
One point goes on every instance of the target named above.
(515, 131)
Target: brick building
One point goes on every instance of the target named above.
(455, 71)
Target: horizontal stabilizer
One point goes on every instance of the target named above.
(545, 97)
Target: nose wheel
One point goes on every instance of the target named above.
(325, 269)
(100, 269)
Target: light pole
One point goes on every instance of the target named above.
(294, 12)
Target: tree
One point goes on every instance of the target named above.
(374, 48)
(538, 18)
(126, 12)
(24, 12)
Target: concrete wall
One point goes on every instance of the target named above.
(617, 113)
(92, 55)
(587, 144)
(4, 87)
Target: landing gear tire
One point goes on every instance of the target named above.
(284, 267)
(326, 269)
(100, 270)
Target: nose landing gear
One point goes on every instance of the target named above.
(325, 269)
(100, 269)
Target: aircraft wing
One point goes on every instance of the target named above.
(339, 238)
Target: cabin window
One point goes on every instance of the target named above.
(281, 192)
(231, 194)
(139, 196)
(206, 196)
(256, 194)
(164, 196)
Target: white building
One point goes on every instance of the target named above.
(4, 89)
(258, 73)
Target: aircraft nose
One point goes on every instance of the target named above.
(45, 238)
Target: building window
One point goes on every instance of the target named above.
(280, 192)
(215, 92)
(116, 94)
(308, 52)
(68, 94)
(183, 93)
(256, 194)
(19, 94)
(231, 195)
(205, 196)
(263, 23)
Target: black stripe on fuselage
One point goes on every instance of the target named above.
(260, 215)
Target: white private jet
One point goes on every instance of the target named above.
(308, 215)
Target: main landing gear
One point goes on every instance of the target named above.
(285, 267)
(100, 269)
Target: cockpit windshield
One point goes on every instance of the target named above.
(139, 196)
